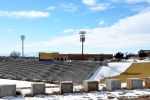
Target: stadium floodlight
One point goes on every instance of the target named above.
(82, 39)
(22, 39)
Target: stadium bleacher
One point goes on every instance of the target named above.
(53, 72)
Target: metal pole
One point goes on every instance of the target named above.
(82, 39)
(22, 48)
(50, 78)
(82, 50)
(22, 39)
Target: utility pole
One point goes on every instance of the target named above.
(82, 40)
(22, 39)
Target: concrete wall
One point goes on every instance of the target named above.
(7, 90)
(37, 88)
(103, 63)
(90, 85)
(134, 83)
(147, 82)
(97, 57)
(113, 84)
(66, 87)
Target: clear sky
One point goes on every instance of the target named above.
(53, 25)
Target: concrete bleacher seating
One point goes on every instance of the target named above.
(46, 71)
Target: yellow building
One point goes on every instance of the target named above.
(43, 56)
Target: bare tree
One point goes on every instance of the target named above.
(119, 56)
(14, 54)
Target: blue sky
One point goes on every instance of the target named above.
(53, 25)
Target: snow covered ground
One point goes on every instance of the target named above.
(103, 95)
(95, 95)
(137, 60)
(113, 69)
(19, 84)
(104, 71)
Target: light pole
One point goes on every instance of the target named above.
(22, 39)
(82, 39)
(50, 77)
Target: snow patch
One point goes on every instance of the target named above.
(94, 95)
(113, 69)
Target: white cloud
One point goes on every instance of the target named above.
(102, 23)
(51, 8)
(55, 44)
(100, 6)
(94, 6)
(69, 30)
(70, 7)
(9, 30)
(130, 32)
(136, 4)
(135, 1)
(25, 14)
(67, 7)
(89, 2)
(148, 1)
